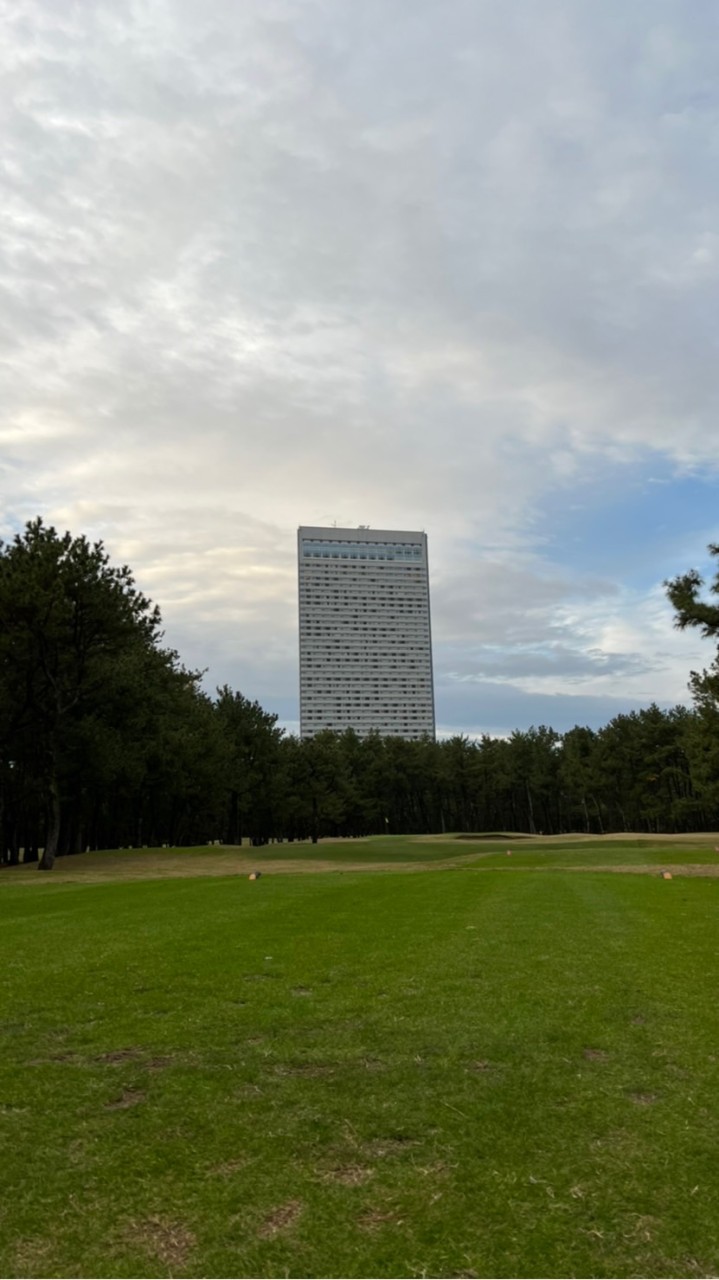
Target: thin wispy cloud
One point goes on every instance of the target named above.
(418, 266)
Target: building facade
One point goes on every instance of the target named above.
(365, 634)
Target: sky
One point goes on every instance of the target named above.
(448, 265)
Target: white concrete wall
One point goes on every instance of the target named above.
(365, 635)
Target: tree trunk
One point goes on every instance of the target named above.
(52, 838)
(233, 833)
(10, 841)
(530, 811)
(587, 824)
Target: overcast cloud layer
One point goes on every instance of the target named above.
(419, 265)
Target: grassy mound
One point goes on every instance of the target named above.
(493, 835)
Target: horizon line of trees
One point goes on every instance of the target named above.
(108, 741)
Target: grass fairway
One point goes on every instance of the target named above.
(450, 1073)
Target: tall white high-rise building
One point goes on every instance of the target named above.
(365, 637)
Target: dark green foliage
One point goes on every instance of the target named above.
(103, 735)
(690, 609)
(250, 767)
(702, 736)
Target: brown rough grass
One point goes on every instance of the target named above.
(135, 864)
(229, 860)
(280, 1219)
(169, 1243)
(128, 1098)
(348, 1175)
(31, 1256)
(374, 1219)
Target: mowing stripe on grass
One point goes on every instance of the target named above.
(361, 1074)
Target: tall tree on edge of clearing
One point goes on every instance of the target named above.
(66, 617)
(703, 741)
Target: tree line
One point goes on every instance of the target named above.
(108, 741)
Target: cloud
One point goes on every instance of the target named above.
(535, 665)
(419, 267)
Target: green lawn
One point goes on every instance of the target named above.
(608, 852)
(362, 1074)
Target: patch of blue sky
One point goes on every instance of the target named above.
(10, 525)
(498, 710)
(638, 526)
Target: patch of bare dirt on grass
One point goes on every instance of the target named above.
(128, 1098)
(228, 1167)
(113, 1058)
(52, 1058)
(624, 1143)
(374, 1219)
(643, 1227)
(31, 1256)
(153, 1062)
(308, 1070)
(348, 1175)
(248, 1091)
(167, 1242)
(380, 1148)
(372, 1064)
(283, 1218)
(437, 1169)
(118, 1056)
(693, 1267)
(643, 1099)
(595, 1055)
(160, 1063)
